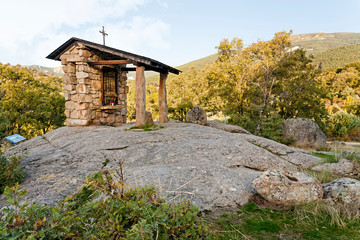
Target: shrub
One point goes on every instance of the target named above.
(104, 209)
(340, 124)
(272, 126)
(10, 172)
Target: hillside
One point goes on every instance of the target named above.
(198, 64)
(57, 71)
(315, 43)
(338, 57)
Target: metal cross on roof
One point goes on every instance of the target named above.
(104, 34)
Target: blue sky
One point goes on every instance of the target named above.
(174, 32)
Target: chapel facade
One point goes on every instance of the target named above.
(95, 83)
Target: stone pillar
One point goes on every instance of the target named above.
(140, 96)
(163, 108)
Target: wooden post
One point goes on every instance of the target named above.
(163, 108)
(140, 96)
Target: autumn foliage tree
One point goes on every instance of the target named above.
(266, 76)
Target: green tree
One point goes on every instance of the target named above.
(30, 105)
(265, 77)
(184, 92)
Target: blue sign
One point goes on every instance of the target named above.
(15, 138)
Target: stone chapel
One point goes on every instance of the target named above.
(95, 83)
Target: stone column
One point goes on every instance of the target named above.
(140, 96)
(163, 108)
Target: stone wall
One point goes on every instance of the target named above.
(83, 86)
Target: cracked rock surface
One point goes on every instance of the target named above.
(211, 167)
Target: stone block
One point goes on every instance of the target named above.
(77, 122)
(96, 71)
(73, 92)
(85, 98)
(67, 113)
(84, 81)
(96, 122)
(68, 79)
(84, 53)
(75, 97)
(97, 102)
(70, 50)
(82, 75)
(69, 68)
(81, 106)
(103, 120)
(82, 88)
(69, 87)
(122, 97)
(94, 58)
(121, 90)
(64, 57)
(126, 89)
(94, 76)
(74, 114)
(67, 96)
(85, 114)
(99, 114)
(76, 58)
(123, 112)
(70, 105)
(119, 119)
(110, 119)
(96, 85)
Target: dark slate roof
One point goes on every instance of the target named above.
(109, 53)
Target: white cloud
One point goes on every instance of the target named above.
(32, 29)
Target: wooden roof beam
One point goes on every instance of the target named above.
(110, 62)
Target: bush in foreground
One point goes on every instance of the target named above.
(272, 126)
(10, 172)
(103, 209)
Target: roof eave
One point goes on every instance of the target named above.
(161, 67)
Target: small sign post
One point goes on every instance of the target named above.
(15, 138)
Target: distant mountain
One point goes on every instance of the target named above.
(198, 64)
(57, 71)
(314, 43)
(332, 49)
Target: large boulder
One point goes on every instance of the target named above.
(287, 187)
(210, 167)
(343, 167)
(343, 192)
(306, 133)
(196, 115)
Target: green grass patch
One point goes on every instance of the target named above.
(145, 128)
(323, 176)
(327, 158)
(354, 156)
(313, 221)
